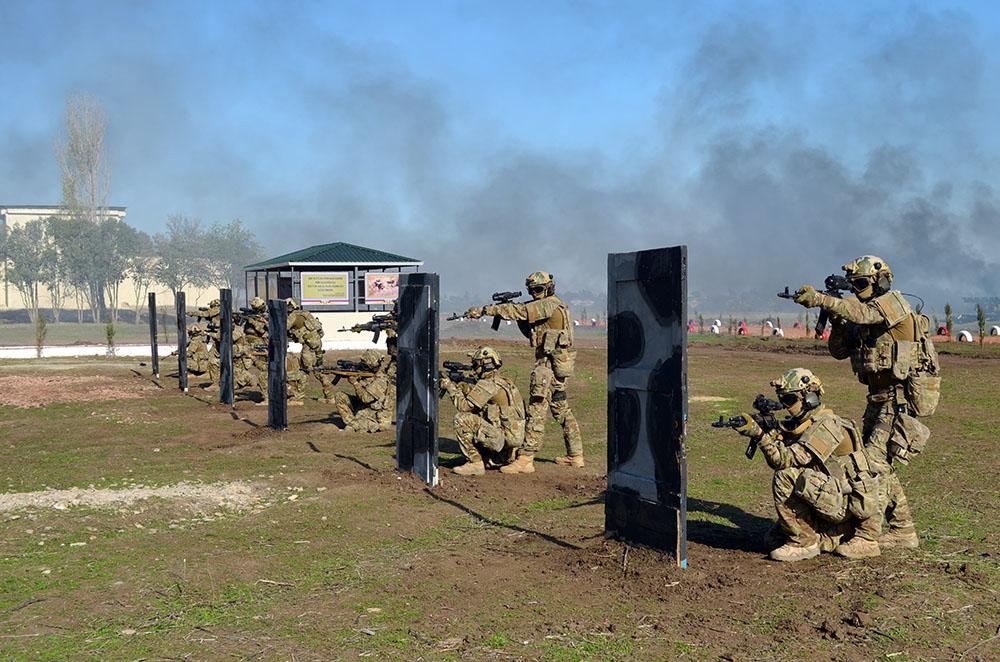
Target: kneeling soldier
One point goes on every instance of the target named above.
(490, 419)
(371, 407)
(823, 484)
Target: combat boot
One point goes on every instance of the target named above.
(901, 538)
(570, 461)
(471, 469)
(791, 552)
(858, 548)
(524, 464)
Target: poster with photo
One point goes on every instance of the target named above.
(381, 288)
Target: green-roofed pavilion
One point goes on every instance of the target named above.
(331, 278)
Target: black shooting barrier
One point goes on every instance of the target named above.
(226, 347)
(417, 376)
(154, 358)
(182, 361)
(277, 375)
(646, 501)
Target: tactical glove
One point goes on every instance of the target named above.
(474, 313)
(807, 296)
(749, 427)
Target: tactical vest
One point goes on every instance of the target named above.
(898, 353)
(841, 482)
(497, 399)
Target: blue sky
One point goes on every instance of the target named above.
(542, 134)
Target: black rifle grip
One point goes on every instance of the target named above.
(496, 322)
(824, 316)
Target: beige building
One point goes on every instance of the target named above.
(13, 216)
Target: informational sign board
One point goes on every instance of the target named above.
(417, 386)
(646, 501)
(381, 288)
(324, 288)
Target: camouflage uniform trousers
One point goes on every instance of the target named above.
(359, 418)
(309, 359)
(883, 425)
(547, 393)
(482, 441)
(803, 525)
(244, 375)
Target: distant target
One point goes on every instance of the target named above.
(964, 336)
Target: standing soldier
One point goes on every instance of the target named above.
(823, 484)
(490, 419)
(305, 329)
(893, 356)
(546, 323)
(371, 407)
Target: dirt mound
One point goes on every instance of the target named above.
(26, 391)
(231, 496)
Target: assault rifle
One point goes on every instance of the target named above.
(345, 368)
(458, 372)
(202, 313)
(764, 417)
(503, 297)
(835, 285)
(378, 324)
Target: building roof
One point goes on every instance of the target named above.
(337, 254)
(52, 207)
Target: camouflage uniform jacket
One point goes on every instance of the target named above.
(373, 392)
(495, 398)
(823, 441)
(884, 338)
(304, 328)
(545, 322)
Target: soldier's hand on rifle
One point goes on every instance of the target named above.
(475, 313)
(749, 427)
(807, 296)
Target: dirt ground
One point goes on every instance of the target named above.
(340, 557)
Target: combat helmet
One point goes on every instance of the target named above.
(796, 384)
(869, 276)
(484, 356)
(195, 329)
(540, 284)
(371, 358)
(258, 304)
(292, 304)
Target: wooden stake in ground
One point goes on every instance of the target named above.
(182, 361)
(226, 347)
(155, 354)
(277, 374)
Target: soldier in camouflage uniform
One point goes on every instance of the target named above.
(545, 321)
(893, 356)
(305, 329)
(371, 407)
(490, 420)
(212, 315)
(199, 359)
(823, 486)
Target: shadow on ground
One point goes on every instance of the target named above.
(746, 531)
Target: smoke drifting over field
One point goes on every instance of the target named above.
(783, 146)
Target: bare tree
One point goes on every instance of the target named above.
(86, 176)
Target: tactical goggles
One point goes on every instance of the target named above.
(536, 288)
(861, 283)
(788, 399)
